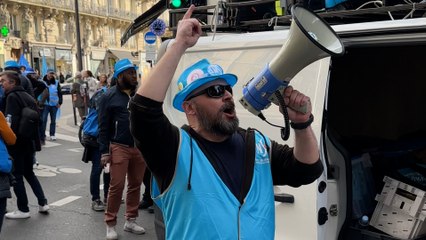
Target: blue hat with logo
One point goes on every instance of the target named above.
(123, 65)
(11, 64)
(196, 76)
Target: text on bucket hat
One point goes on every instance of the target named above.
(197, 75)
(123, 65)
(11, 64)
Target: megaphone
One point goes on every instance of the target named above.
(310, 39)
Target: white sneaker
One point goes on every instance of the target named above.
(111, 234)
(43, 209)
(52, 138)
(133, 227)
(17, 215)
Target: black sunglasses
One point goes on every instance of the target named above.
(215, 91)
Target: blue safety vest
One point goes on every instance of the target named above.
(53, 94)
(209, 210)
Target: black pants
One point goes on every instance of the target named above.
(3, 202)
(147, 182)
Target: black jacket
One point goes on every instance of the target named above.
(113, 117)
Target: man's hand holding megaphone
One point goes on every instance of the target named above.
(299, 105)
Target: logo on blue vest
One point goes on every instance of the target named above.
(262, 156)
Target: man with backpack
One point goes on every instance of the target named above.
(90, 132)
(118, 149)
(52, 105)
(20, 106)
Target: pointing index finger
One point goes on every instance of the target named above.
(189, 12)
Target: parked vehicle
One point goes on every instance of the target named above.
(369, 119)
(66, 88)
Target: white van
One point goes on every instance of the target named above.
(370, 121)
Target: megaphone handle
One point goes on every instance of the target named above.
(285, 131)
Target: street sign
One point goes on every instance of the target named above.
(158, 27)
(4, 31)
(150, 37)
(150, 52)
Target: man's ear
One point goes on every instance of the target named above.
(188, 107)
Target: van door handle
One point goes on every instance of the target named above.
(284, 198)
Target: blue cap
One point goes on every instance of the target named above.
(11, 64)
(50, 70)
(29, 71)
(197, 75)
(123, 65)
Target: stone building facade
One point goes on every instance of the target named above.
(45, 30)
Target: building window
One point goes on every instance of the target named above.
(37, 30)
(111, 39)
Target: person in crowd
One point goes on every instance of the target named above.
(52, 105)
(92, 82)
(25, 82)
(103, 81)
(24, 149)
(94, 154)
(9, 138)
(61, 77)
(118, 150)
(79, 95)
(41, 92)
(211, 177)
(22, 69)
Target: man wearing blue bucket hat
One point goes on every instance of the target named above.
(118, 151)
(25, 82)
(212, 179)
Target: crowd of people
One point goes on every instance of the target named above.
(21, 88)
(210, 178)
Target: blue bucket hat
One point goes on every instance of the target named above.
(11, 64)
(29, 71)
(197, 75)
(123, 65)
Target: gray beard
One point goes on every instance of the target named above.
(216, 124)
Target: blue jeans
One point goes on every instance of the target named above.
(21, 194)
(52, 110)
(95, 175)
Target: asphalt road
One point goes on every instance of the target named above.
(65, 181)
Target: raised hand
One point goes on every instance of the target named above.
(188, 30)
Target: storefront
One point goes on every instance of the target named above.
(97, 62)
(2, 60)
(40, 54)
(63, 61)
(114, 55)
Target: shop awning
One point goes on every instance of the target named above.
(98, 54)
(125, 54)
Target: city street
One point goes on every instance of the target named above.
(65, 180)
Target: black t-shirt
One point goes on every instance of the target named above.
(158, 141)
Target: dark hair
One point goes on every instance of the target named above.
(12, 77)
(89, 73)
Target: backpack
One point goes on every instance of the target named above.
(28, 124)
(89, 127)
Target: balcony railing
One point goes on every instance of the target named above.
(115, 12)
(89, 8)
